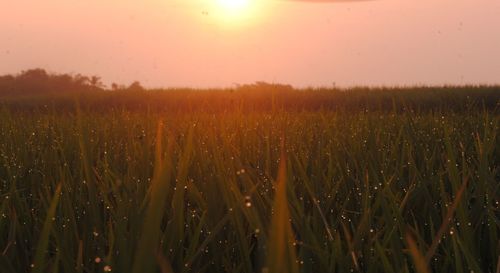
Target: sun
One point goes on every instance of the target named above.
(233, 6)
(236, 14)
(232, 13)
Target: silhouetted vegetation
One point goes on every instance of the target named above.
(250, 99)
(40, 82)
(36, 88)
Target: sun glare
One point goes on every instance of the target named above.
(233, 13)
(234, 6)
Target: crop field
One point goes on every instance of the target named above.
(274, 181)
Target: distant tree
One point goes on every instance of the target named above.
(7, 84)
(38, 81)
(264, 87)
(135, 86)
(81, 80)
(96, 83)
(261, 84)
(32, 81)
(36, 74)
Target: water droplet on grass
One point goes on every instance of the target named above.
(248, 201)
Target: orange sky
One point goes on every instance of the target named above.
(196, 43)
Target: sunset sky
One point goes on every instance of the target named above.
(217, 43)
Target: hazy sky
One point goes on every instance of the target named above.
(201, 43)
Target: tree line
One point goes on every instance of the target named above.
(39, 81)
